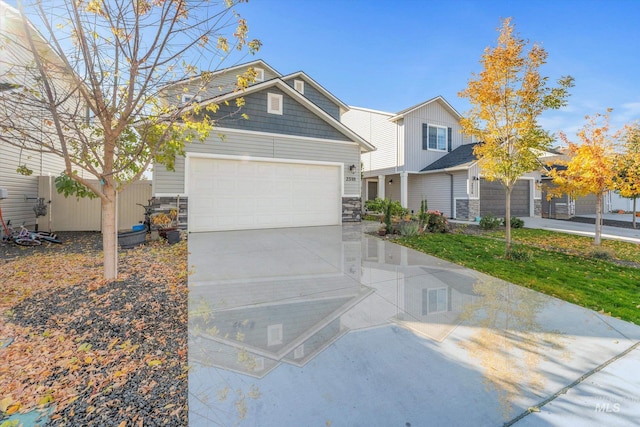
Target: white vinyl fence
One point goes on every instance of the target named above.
(72, 214)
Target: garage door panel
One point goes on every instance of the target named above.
(493, 198)
(232, 194)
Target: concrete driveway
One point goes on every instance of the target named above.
(328, 326)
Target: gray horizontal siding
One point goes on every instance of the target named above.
(296, 119)
(315, 96)
(265, 146)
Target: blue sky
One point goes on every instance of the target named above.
(389, 55)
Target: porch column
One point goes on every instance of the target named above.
(381, 183)
(404, 189)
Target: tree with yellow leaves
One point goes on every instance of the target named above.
(627, 181)
(507, 98)
(591, 168)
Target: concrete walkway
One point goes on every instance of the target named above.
(330, 326)
(613, 233)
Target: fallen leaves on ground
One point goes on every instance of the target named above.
(104, 353)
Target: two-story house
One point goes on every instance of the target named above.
(421, 154)
(291, 163)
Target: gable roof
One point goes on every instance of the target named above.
(257, 63)
(318, 87)
(365, 146)
(461, 156)
(439, 99)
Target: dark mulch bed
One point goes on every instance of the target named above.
(608, 222)
(134, 332)
(72, 242)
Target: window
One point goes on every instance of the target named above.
(434, 301)
(436, 138)
(274, 103)
(188, 98)
(298, 85)
(259, 74)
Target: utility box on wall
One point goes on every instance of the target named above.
(4, 193)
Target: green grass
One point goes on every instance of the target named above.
(595, 284)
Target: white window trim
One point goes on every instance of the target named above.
(446, 293)
(271, 97)
(299, 86)
(446, 135)
(259, 74)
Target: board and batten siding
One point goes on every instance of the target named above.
(222, 83)
(435, 188)
(375, 127)
(315, 96)
(266, 146)
(23, 190)
(433, 113)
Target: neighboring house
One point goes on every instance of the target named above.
(421, 154)
(22, 189)
(291, 163)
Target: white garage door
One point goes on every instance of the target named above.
(236, 195)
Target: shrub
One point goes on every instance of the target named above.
(379, 205)
(604, 254)
(490, 222)
(515, 222)
(409, 228)
(436, 222)
(521, 255)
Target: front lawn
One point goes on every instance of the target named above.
(559, 266)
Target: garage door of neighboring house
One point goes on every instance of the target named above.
(229, 194)
(492, 198)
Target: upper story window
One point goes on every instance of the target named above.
(259, 74)
(436, 138)
(274, 103)
(298, 85)
(189, 98)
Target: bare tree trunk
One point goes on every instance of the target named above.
(598, 237)
(109, 232)
(507, 222)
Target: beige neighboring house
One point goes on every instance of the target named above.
(22, 190)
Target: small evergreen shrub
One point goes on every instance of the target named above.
(490, 222)
(515, 222)
(520, 255)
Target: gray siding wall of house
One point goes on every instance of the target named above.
(23, 190)
(435, 188)
(296, 119)
(265, 146)
(434, 114)
(315, 96)
(223, 83)
(376, 128)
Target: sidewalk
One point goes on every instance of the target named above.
(612, 233)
